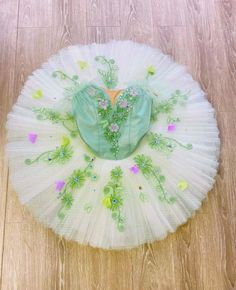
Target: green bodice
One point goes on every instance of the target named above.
(112, 132)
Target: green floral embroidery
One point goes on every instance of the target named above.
(67, 120)
(172, 120)
(165, 144)
(77, 179)
(60, 155)
(109, 74)
(74, 183)
(71, 90)
(63, 76)
(167, 106)
(111, 119)
(149, 171)
(113, 197)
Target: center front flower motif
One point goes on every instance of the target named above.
(114, 128)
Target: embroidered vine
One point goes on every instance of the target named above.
(109, 73)
(167, 106)
(74, 183)
(74, 80)
(60, 155)
(150, 171)
(113, 197)
(67, 120)
(165, 144)
(63, 76)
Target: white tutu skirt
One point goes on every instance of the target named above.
(112, 203)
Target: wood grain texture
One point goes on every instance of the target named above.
(8, 24)
(200, 34)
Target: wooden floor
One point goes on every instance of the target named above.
(200, 34)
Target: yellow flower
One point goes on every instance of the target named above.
(65, 141)
(107, 201)
(151, 70)
(37, 95)
(82, 64)
(182, 185)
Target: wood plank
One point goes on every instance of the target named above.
(35, 13)
(102, 34)
(103, 13)
(68, 23)
(135, 24)
(169, 13)
(8, 36)
(31, 259)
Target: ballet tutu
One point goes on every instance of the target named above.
(112, 145)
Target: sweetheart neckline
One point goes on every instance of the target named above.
(101, 89)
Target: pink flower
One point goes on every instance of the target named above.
(59, 185)
(171, 127)
(123, 104)
(103, 104)
(32, 137)
(133, 92)
(134, 169)
(114, 127)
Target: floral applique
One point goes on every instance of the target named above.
(153, 172)
(171, 127)
(67, 120)
(74, 183)
(113, 197)
(167, 106)
(37, 94)
(60, 155)
(59, 185)
(165, 144)
(32, 137)
(134, 169)
(112, 119)
(109, 73)
(183, 185)
(150, 71)
(82, 64)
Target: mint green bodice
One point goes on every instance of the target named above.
(112, 132)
